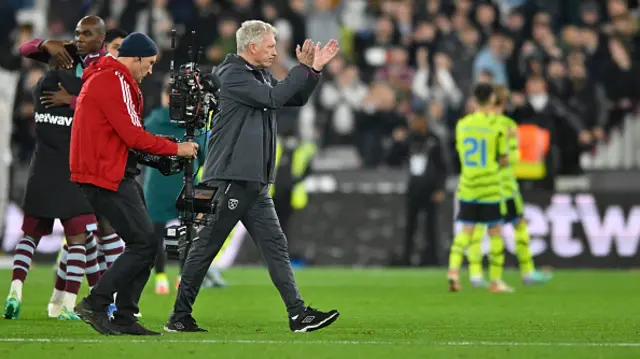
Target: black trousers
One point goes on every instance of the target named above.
(417, 202)
(250, 203)
(161, 257)
(127, 213)
(282, 202)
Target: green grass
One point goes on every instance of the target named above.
(384, 314)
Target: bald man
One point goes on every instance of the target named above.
(68, 61)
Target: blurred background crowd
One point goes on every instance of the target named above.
(406, 68)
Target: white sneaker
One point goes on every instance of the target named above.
(499, 286)
(54, 310)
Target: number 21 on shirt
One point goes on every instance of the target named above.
(475, 152)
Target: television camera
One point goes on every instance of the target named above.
(192, 100)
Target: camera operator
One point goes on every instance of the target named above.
(106, 126)
(240, 164)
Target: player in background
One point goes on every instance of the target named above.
(481, 143)
(104, 250)
(113, 40)
(513, 208)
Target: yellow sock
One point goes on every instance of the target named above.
(459, 245)
(474, 253)
(496, 258)
(523, 251)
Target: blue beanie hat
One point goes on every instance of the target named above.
(137, 44)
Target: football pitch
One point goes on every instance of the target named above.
(384, 314)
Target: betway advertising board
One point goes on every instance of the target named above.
(578, 230)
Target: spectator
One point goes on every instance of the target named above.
(428, 52)
(203, 17)
(622, 86)
(375, 123)
(515, 26)
(623, 28)
(423, 37)
(370, 48)
(322, 22)
(463, 48)
(567, 131)
(596, 51)
(397, 73)
(404, 22)
(243, 10)
(492, 58)
(442, 87)
(294, 15)
(558, 81)
(590, 14)
(486, 20)
(588, 100)
(156, 21)
(226, 41)
(342, 97)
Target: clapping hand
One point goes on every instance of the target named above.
(306, 54)
(324, 55)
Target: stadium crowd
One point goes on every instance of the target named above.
(407, 66)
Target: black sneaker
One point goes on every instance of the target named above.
(312, 319)
(184, 325)
(134, 328)
(99, 321)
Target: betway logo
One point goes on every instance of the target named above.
(613, 230)
(54, 120)
(572, 225)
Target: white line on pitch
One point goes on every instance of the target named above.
(325, 342)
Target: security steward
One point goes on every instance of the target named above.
(425, 186)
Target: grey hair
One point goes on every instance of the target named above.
(252, 31)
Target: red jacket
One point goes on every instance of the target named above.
(107, 123)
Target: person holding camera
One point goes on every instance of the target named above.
(240, 164)
(106, 127)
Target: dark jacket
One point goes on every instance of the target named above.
(589, 100)
(49, 185)
(423, 155)
(243, 140)
(555, 117)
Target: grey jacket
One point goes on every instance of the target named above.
(243, 140)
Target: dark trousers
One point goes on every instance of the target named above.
(418, 202)
(282, 202)
(250, 203)
(127, 213)
(161, 258)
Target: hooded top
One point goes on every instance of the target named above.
(107, 123)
